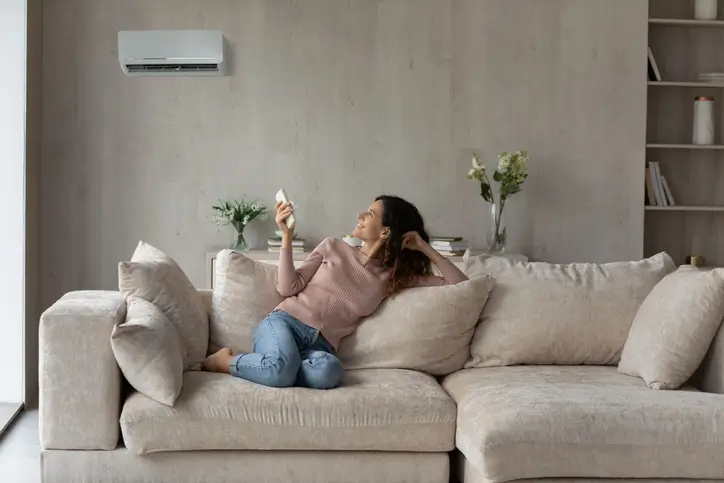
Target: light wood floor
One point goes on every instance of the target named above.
(20, 450)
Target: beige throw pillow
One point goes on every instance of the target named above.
(244, 294)
(155, 277)
(674, 328)
(542, 313)
(425, 329)
(149, 352)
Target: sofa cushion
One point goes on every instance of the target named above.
(542, 313)
(427, 329)
(710, 375)
(554, 421)
(376, 410)
(244, 293)
(674, 327)
(155, 277)
(149, 351)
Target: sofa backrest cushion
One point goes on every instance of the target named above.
(427, 329)
(674, 327)
(543, 313)
(244, 293)
(155, 277)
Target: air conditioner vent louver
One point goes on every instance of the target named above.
(138, 68)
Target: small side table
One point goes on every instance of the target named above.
(272, 258)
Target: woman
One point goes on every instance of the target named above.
(330, 293)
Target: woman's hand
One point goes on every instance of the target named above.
(283, 211)
(413, 241)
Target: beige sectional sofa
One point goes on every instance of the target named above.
(578, 421)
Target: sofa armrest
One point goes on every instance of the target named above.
(710, 376)
(80, 382)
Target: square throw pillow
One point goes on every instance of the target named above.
(244, 294)
(156, 278)
(149, 352)
(543, 313)
(674, 327)
(426, 329)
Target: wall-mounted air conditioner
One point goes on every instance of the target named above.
(172, 52)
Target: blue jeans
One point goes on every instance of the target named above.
(288, 353)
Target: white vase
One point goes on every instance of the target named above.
(705, 9)
(497, 234)
(703, 120)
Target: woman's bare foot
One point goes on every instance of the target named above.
(218, 361)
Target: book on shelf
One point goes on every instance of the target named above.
(658, 191)
(659, 186)
(277, 242)
(711, 77)
(654, 73)
(279, 249)
(445, 253)
(650, 193)
(452, 246)
(456, 246)
(434, 239)
(667, 192)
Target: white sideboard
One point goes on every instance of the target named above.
(299, 257)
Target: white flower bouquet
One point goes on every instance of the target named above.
(238, 213)
(510, 175)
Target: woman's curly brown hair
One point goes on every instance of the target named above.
(400, 217)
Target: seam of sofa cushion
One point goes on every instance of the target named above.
(447, 445)
(156, 419)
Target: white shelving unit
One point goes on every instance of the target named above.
(685, 208)
(686, 22)
(697, 84)
(685, 146)
(684, 48)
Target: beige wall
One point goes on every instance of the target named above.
(338, 101)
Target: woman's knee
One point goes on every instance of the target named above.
(282, 372)
(322, 370)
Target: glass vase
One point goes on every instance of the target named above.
(238, 243)
(498, 236)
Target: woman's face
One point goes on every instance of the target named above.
(369, 227)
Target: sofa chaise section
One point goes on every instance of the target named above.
(582, 422)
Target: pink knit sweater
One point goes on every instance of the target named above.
(338, 285)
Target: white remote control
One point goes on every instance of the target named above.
(282, 196)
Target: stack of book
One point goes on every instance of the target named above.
(449, 246)
(716, 77)
(275, 245)
(657, 188)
